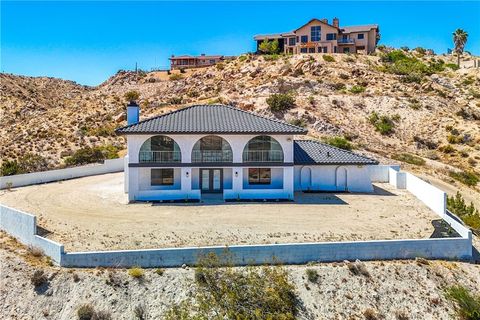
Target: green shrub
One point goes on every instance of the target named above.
(271, 57)
(448, 149)
(175, 77)
(452, 66)
(467, 304)
(280, 102)
(382, 124)
(409, 158)
(269, 47)
(136, 272)
(328, 58)
(339, 142)
(416, 105)
(233, 293)
(468, 213)
(86, 312)
(357, 89)
(91, 155)
(10, 168)
(175, 100)
(28, 163)
(299, 122)
(467, 178)
(132, 95)
(312, 275)
(159, 271)
(412, 78)
(242, 58)
(400, 63)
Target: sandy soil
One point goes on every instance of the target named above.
(393, 289)
(92, 214)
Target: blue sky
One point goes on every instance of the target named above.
(89, 41)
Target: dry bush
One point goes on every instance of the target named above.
(370, 314)
(358, 268)
(35, 251)
(39, 278)
(136, 272)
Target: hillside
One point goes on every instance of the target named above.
(434, 114)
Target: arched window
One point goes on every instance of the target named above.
(212, 149)
(160, 149)
(263, 149)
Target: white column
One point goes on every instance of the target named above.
(186, 181)
(125, 174)
(132, 183)
(237, 181)
(288, 182)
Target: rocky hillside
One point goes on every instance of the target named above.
(432, 112)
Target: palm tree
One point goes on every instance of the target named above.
(459, 40)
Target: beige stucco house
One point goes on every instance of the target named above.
(318, 36)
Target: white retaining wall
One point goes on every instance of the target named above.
(113, 165)
(23, 226)
(431, 196)
(380, 173)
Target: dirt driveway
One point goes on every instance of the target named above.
(92, 214)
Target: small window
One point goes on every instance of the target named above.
(162, 177)
(311, 50)
(325, 49)
(304, 39)
(259, 176)
(335, 49)
(331, 36)
(291, 41)
(361, 36)
(303, 50)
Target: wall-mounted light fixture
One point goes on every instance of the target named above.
(187, 173)
(289, 139)
(236, 173)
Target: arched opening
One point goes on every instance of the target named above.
(160, 149)
(306, 178)
(263, 149)
(212, 149)
(341, 179)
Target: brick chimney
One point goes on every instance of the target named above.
(133, 113)
(335, 22)
(324, 20)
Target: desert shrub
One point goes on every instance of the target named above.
(102, 315)
(312, 275)
(409, 158)
(448, 149)
(39, 278)
(338, 86)
(132, 95)
(328, 58)
(357, 89)
(412, 78)
(10, 168)
(465, 177)
(400, 63)
(468, 213)
(420, 50)
(415, 105)
(339, 142)
(136, 272)
(28, 163)
(159, 271)
(175, 77)
(175, 100)
(242, 58)
(35, 251)
(467, 304)
(370, 314)
(140, 312)
(272, 57)
(92, 154)
(358, 268)
(382, 123)
(232, 293)
(453, 139)
(344, 76)
(85, 312)
(299, 122)
(280, 102)
(452, 66)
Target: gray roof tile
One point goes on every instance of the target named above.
(210, 119)
(313, 152)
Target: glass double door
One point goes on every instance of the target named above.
(211, 180)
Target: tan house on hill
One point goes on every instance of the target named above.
(318, 36)
(184, 62)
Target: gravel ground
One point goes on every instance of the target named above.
(92, 213)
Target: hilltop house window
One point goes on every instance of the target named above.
(259, 175)
(335, 49)
(304, 39)
(331, 36)
(303, 50)
(311, 50)
(315, 33)
(291, 41)
(360, 36)
(161, 177)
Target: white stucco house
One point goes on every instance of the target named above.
(187, 153)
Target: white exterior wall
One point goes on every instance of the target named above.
(329, 178)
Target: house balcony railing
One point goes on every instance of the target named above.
(263, 156)
(160, 156)
(212, 156)
(346, 41)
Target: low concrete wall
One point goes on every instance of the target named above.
(113, 165)
(23, 226)
(380, 173)
(431, 196)
(297, 253)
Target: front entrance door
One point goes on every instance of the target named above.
(211, 180)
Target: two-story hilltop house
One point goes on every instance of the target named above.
(318, 36)
(201, 149)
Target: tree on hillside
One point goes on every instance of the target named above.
(459, 40)
(132, 96)
(269, 47)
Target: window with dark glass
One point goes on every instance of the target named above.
(311, 50)
(291, 41)
(162, 177)
(304, 39)
(331, 36)
(335, 49)
(361, 36)
(303, 50)
(315, 33)
(325, 49)
(259, 176)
